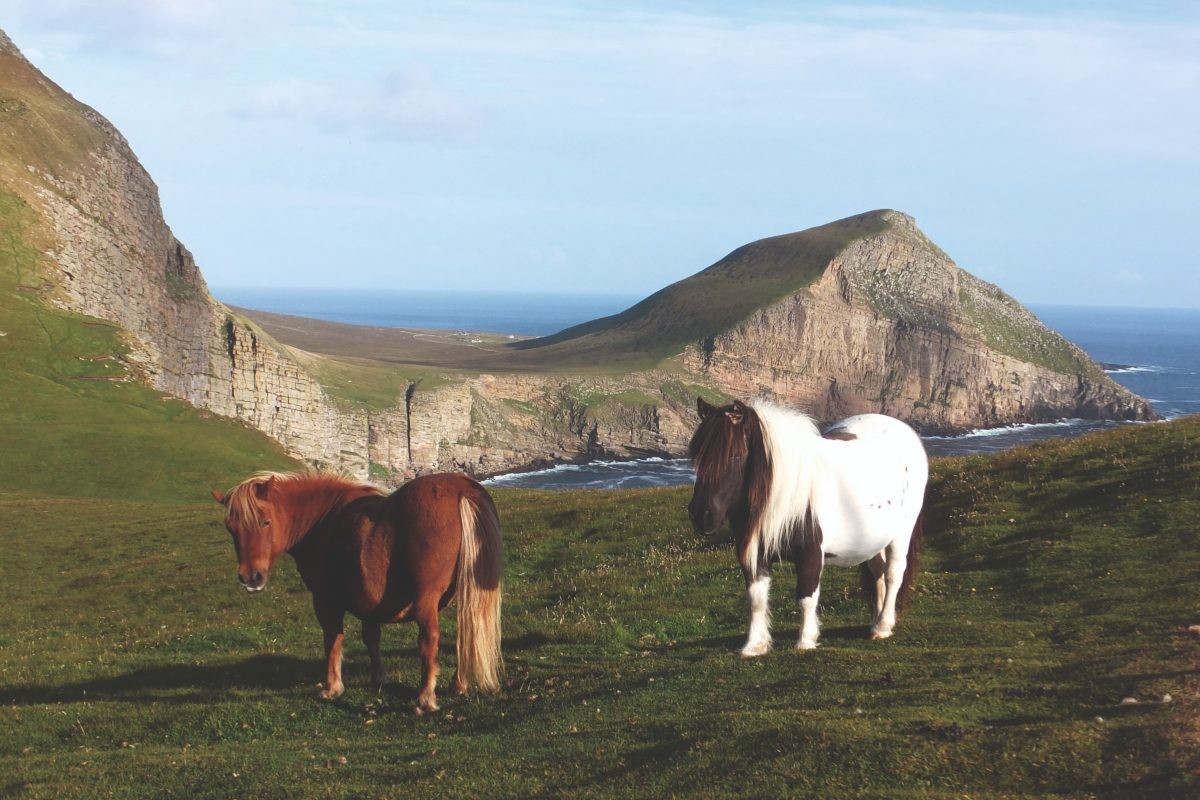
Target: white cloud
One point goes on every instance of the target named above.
(405, 104)
(168, 29)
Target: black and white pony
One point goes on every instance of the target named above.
(850, 497)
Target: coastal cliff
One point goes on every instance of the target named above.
(893, 325)
(863, 314)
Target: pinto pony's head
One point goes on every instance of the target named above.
(732, 471)
(257, 522)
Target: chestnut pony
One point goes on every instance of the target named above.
(850, 497)
(383, 558)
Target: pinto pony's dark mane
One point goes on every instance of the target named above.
(725, 435)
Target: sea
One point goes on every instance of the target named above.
(1154, 352)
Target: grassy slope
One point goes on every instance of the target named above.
(70, 424)
(709, 302)
(1058, 580)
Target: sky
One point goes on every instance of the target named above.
(614, 147)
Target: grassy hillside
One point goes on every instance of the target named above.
(71, 420)
(1058, 581)
(711, 301)
(43, 126)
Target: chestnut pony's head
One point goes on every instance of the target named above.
(257, 521)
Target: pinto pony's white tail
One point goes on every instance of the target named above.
(480, 567)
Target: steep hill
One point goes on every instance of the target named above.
(711, 301)
(890, 323)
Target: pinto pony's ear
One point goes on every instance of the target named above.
(220, 497)
(703, 408)
(738, 413)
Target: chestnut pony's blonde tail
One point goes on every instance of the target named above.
(480, 567)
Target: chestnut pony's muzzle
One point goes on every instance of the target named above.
(254, 581)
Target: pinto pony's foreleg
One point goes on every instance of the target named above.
(810, 561)
(757, 573)
(332, 624)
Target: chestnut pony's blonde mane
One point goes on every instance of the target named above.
(241, 501)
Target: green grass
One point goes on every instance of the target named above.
(1057, 581)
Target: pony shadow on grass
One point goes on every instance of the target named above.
(177, 682)
(185, 683)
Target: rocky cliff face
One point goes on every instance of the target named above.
(893, 325)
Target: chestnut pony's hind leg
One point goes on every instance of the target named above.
(371, 635)
(426, 615)
(331, 620)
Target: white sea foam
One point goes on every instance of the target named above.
(1008, 429)
(1122, 369)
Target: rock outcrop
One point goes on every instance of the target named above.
(893, 325)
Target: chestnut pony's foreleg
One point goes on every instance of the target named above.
(371, 634)
(426, 616)
(332, 623)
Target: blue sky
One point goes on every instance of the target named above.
(1052, 148)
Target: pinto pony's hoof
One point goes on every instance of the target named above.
(757, 649)
(875, 635)
(806, 645)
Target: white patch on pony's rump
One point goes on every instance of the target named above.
(793, 472)
(810, 627)
(758, 642)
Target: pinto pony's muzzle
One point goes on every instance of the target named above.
(704, 519)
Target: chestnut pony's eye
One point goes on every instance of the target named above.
(266, 523)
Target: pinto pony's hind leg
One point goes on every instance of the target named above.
(873, 584)
(371, 634)
(887, 590)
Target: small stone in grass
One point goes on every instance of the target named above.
(1129, 701)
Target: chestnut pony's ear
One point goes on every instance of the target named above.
(261, 488)
(703, 408)
(220, 497)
